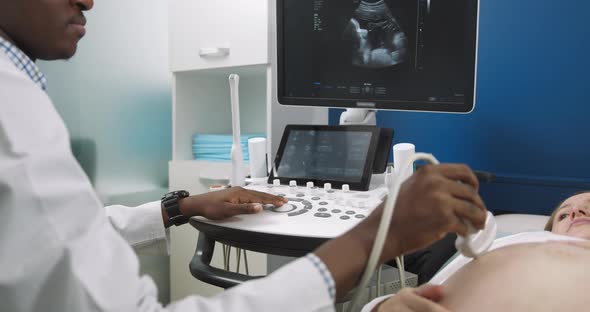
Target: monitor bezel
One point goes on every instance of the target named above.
(365, 179)
(437, 107)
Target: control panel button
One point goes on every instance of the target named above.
(344, 217)
(322, 215)
(276, 182)
(297, 213)
(309, 185)
(345, 188)
(285, 208)
(293, 183)
(327, 186)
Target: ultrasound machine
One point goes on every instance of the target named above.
(361, 55)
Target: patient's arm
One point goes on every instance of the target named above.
(529, 277)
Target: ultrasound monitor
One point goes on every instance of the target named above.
(417, 55)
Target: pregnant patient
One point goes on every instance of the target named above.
(534, 271)
(551, 276)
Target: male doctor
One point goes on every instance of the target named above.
(61, 250)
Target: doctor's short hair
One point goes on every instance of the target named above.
(549, 225)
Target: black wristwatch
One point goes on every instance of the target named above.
(172, 207)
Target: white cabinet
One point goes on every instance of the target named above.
(218, 33)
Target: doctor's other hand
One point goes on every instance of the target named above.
(421, 299)
(219, 205)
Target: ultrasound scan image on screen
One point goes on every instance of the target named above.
(376, 36)
(325, 155)
(395, 54)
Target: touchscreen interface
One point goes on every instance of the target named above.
(325, 155)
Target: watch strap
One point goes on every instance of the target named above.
(170, 202)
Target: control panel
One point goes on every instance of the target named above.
(312, 210)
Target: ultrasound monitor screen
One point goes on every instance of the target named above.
(384, 54)
(325, 155)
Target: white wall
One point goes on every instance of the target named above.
(115, 97)
(116, 92)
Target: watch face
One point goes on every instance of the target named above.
(175, 194)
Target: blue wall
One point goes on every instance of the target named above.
(531, 121)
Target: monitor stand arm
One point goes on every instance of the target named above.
(358, 116)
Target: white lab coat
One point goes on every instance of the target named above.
(58, 250)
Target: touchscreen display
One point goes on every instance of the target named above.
(325, 155)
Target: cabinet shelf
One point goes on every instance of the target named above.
(202, 105)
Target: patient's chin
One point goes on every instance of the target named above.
(580, 232)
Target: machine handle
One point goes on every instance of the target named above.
(213, 52)
(201, 269)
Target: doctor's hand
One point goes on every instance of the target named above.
(431, 203)
(421, 299)
(435, 200)
(219, 205)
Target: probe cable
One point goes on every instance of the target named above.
(384, 228)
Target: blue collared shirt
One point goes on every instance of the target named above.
(23, 63)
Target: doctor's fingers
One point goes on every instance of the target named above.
(458, 172)
(408, 300)
(420, 304)
(465, 192)
(230, 210)
(468, 211)
(250, 196)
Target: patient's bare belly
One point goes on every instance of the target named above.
(529, 277)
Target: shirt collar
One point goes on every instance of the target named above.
(23, 63)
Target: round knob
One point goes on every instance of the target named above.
(292, 183)
(345, 188)
(276, 182)
(327, 186)
(285, 208)
(309, 185)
